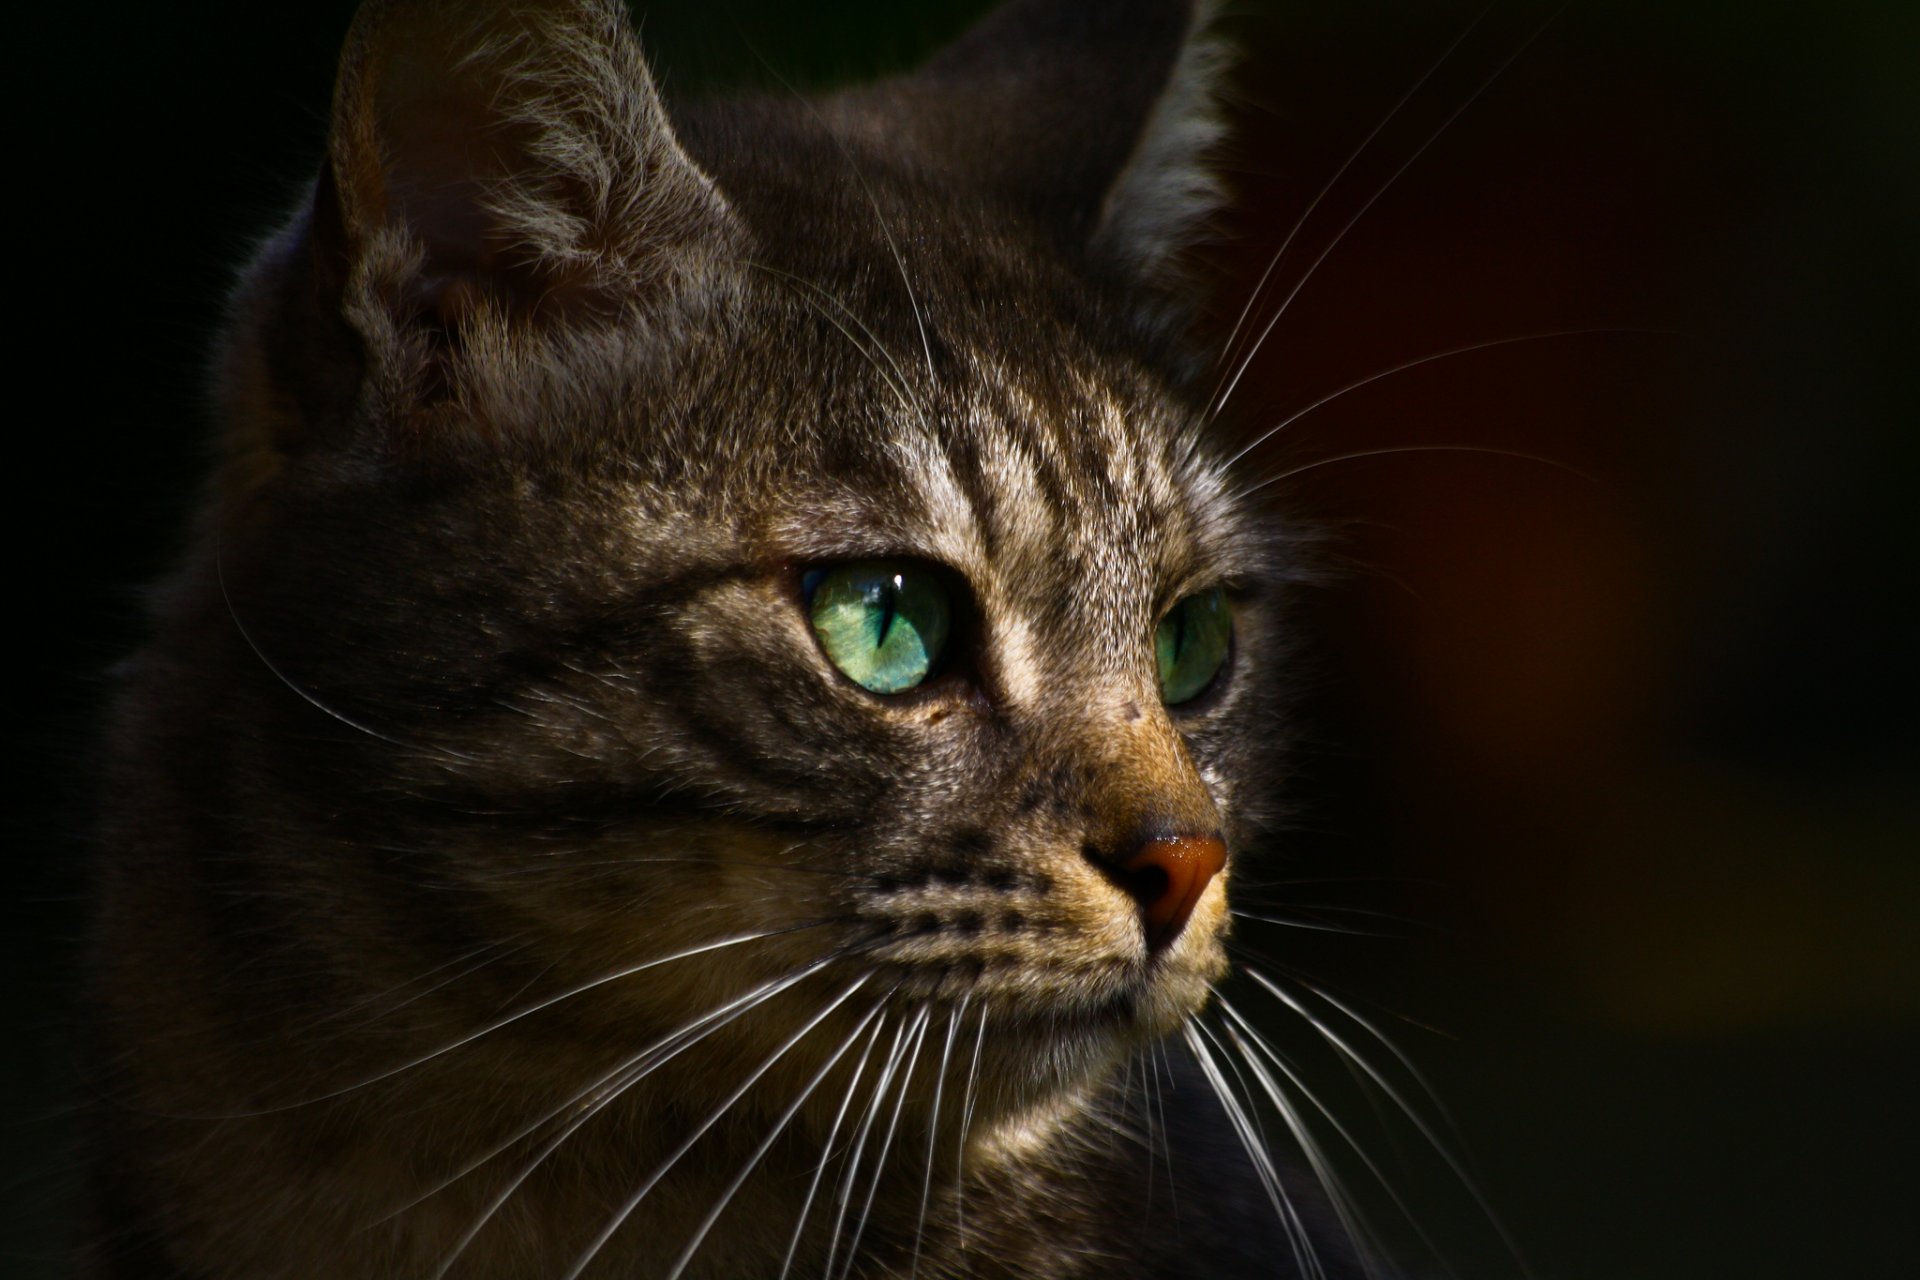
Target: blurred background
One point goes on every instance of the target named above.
(1608, 751)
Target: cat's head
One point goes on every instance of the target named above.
(775, 519)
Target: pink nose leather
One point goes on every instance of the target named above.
(1166, 877)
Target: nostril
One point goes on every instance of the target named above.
(1147, 883)
(1166, 877)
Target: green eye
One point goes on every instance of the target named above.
(1191, 643)
(882, 622)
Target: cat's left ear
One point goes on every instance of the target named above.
(1097, 117)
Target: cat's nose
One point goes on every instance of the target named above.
(1166, 876)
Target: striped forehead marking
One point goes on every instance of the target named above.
(1062, 522)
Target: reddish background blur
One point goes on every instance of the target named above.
(1639, 747)
(1621, 744)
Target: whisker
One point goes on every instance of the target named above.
(1431, 1095)
(857, 1147)
(313, 700)
(898, 380)
(886, 1143)
(766, 1145)
(1246, 361)
(846, 154)
(1345, 1207)
(966, 1130)
(1439, 1146)
(482, 956)
(826, 1149)
(653, 1179)
(1343, 909)
(1292, 882)
(1309, 925)
(1304, 1256)
(1345, 1204)
(1140, 1060)
(510, 1019)
(933, 1131)
(610, 1085)
(570, 867)
(1259, 287)
(1359, 454)
(1157, 1058)
(1432, 358)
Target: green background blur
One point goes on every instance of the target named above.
(1626, 759)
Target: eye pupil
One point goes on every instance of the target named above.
(1191, 645)
(881, 623)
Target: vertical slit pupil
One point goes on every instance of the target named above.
(889, 597)
(856, 609)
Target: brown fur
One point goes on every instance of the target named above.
(488, 678)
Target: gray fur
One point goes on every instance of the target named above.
(488, 677)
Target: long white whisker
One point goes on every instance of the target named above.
(1407, 1064)
(1358, 454)
(1434, 1140)
(880, 219)
(933, 1132)
(1246, 361)
(1343, 1201)
(609, 1085)
(826, 1149)
(1343, 909)
(488, 954)
(843, 1198)
(766, 1145)
(1431, 358)
(1136, 1105)
(886, 1143)
(311, 699)
(966, 1130)
(1304, 1256)
(573, 864)
(1293, 1076)
(510, 1019)
(1309, 925)
(897, 381)
(1353, 1055)
(1163, 1081)
(1259, 288)
(1142, 1060)
(653, 1179)
(630, 1072)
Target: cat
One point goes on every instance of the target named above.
(717, 693)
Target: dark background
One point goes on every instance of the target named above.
(1620, 747)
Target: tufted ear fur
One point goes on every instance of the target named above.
(492, 169)
(521, 148)
(1096, 117)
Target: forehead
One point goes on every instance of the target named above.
(979, 405)
(899, 377)
(1078, 497)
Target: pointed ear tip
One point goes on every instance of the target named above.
(1162, 202)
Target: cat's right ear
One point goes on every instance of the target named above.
(494, 172)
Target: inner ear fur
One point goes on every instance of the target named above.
(491, 169)
(520, 149)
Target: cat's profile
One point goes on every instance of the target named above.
(718, 691)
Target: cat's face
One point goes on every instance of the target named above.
(567, 568)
